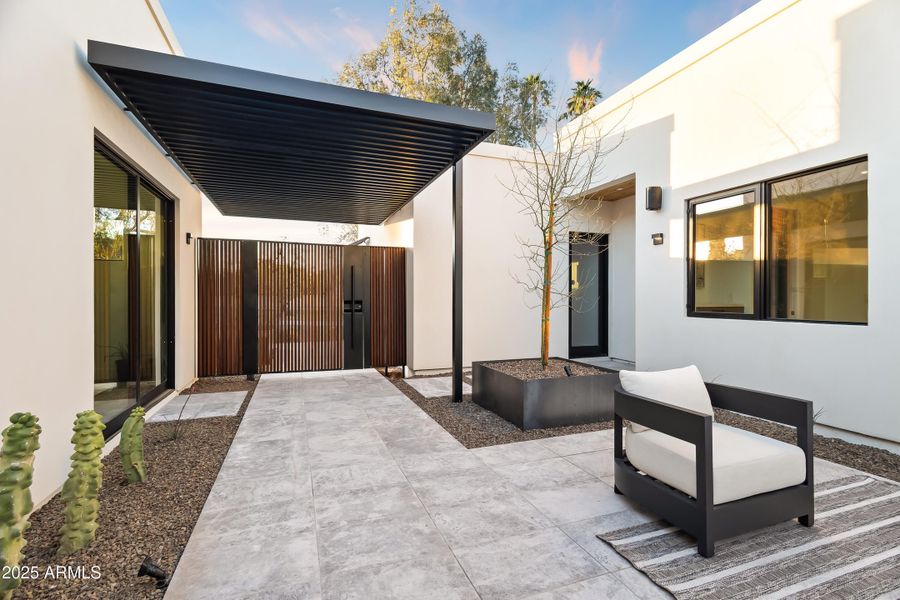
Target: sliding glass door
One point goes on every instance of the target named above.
(132, 290)
(153, 330)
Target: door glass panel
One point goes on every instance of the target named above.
(725, 234)
(819, 265)
(114, 234)
(585, 313)
(153, 317)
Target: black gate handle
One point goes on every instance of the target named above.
(352, 302)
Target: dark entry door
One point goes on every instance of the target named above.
(589, 295)
(356, 308)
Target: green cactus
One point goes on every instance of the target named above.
(131, 446)
(82, 488)
(20, 440)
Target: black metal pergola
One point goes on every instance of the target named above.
(264, 145)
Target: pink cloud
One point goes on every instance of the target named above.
(269, 20)
(360, 36)
(310, 35)
(584, 63)
(263, 23)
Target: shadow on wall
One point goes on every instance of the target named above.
(852, 100)
(862, 99)
(799, 359)
(868, 85)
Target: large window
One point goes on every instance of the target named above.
(133, 285)
(795, 248)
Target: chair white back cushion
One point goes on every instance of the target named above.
(679, 387)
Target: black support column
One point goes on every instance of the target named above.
(457, 280)
(250, 316)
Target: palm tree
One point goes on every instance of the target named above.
(584, 97)
(536, 93)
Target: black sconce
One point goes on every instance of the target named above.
(187, 238)
(657, 239)
(654, 198)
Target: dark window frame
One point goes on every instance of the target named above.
(762, 208)
(137, 177)
(691, 266)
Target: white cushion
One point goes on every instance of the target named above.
(679, 387)
(744, 463)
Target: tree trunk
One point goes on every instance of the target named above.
(548, 280)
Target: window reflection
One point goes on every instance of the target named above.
(131, 289)
(724, 234)
(819, 246)
(115, 370)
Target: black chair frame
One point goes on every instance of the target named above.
(700, 517)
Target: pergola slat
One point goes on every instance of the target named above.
(259, 144)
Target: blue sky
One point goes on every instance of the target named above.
(612, 42)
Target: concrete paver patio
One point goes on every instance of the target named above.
(338, 486)
(200, 406)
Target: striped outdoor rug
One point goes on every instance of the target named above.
(852, 552)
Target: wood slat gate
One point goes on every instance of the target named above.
(298, 320)
(219, 307)
(300, 307)
(387, 295)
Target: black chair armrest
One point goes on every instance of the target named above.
(682, 423)
(781, 409)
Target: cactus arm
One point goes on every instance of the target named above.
(131, 446)
(82, 488)
(20, 440)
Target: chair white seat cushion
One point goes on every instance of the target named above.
(744, 463)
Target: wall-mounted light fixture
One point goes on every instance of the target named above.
(187, 238)
(657, 239)
(654, 197)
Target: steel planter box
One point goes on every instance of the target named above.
(544, 403)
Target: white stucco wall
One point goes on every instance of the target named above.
(500, 320)
(617, 219)
(786, 86)
(50, 107)
(216, 225)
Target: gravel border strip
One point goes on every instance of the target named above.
(475, 427)
(153, 518)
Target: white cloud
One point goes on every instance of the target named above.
(361, 37)
(261, 21)
(273, 23)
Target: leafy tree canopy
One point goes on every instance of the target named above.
(425, 57)
(584, 97)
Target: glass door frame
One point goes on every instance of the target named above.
(602, 347)
(136, 178)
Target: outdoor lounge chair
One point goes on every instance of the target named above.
(711, 480)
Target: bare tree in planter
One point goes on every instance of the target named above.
(553, 186)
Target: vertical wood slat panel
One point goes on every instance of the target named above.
(300, 307)
(300, 327)
(387, 297)
(219, 306)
